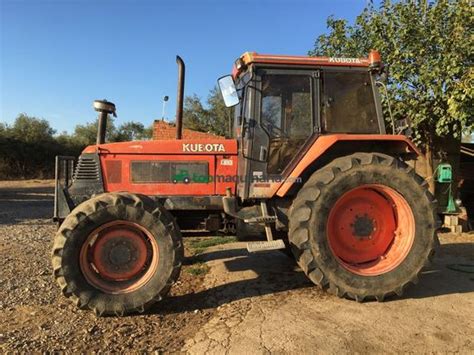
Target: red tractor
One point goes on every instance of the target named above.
(309, 165)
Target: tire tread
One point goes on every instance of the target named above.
(84, 298)
(305, 199)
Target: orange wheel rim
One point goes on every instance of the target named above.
(119, 257)
(371, 230)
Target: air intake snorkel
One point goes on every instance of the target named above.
(180, 98)
(104, 108)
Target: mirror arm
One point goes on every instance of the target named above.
(253, 87)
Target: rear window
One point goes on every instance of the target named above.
(347, 103)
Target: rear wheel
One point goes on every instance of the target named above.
(117, 253)
(363, 226)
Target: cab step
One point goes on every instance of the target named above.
(254, 247)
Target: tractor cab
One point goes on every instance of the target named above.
(284, 103)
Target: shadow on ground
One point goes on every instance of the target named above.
(21, 204)
(277, 273)
(444, 276)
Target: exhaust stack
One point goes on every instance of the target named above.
(180, 98)
(104, 108)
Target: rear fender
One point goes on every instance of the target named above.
(327, 148)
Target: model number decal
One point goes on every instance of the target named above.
(227, 162)
(202, 147)
(344, 60)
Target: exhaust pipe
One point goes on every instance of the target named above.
(104, 108)
(180, 98)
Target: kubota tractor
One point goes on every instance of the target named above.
(309, 166)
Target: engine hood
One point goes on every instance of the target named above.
(183, 147)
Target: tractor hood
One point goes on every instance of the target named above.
(181, 147)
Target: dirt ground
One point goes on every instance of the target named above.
(244, 304)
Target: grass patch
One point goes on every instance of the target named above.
(198, 269)
(197, 246)
(200, 245)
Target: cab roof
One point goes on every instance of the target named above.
(255, 58)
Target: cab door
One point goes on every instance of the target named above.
(285, 117)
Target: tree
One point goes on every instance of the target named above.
(215, 118)
(131, 131)
(86, 134)
(427, 49)
(31, 129)
(221, 117)
(3, 129)
(195, 116)
(27, 148)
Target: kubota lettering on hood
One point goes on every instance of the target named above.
(203, 147)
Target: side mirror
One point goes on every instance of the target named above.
(228, 91)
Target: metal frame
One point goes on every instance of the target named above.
(65, 164)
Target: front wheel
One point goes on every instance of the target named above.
(363, 226)
(117, 253)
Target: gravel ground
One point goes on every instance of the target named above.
(244, 304)
(35, 316)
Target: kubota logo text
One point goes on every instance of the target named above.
(344, 60)
(203, 147)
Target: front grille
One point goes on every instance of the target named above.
(87, 169)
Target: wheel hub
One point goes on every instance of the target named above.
(363, 227)
(121, 254)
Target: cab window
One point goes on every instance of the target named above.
(286, 115)
(347, 103)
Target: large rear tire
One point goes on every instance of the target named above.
(363, 226)
(117, 253)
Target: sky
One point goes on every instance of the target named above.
(58, 56)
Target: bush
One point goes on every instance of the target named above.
(29, 146)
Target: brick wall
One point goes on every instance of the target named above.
(165, 130)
